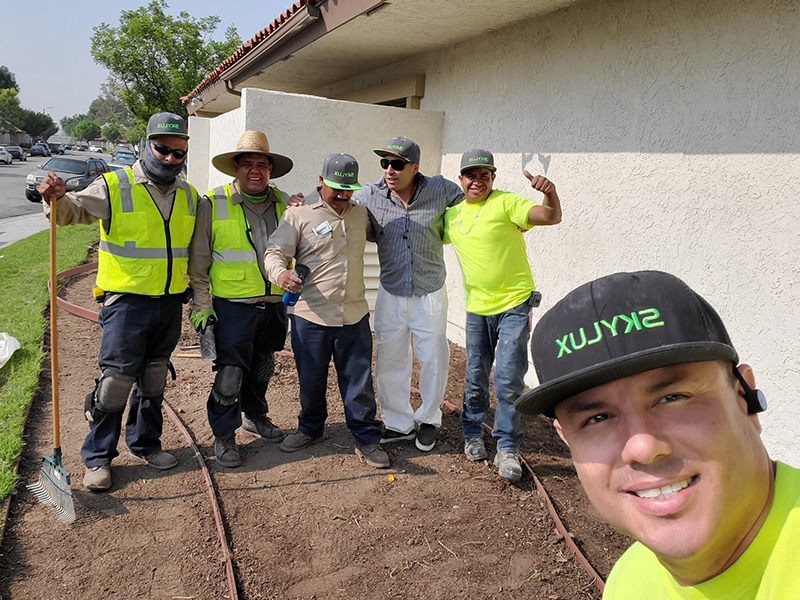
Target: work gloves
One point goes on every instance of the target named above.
(202, 318)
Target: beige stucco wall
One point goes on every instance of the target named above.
(672, 132)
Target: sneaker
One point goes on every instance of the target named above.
(262, 425)
(98, 479)
(160, 460)
(426, 437)
(507, 462)
(297, 441)
(225, 450)
(390, 435)
(373, 454)
(475, 449)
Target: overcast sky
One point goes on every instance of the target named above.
(46, 43)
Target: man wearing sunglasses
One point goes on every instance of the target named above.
(147, 214)
(232, 294)
(406, 210)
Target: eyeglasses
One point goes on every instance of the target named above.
(397, 165)
(166, 151)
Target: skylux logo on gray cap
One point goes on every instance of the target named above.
(473, 159)
(340, 171)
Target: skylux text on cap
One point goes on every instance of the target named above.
(477, 158)
(167, 124)
(400, 147)
(340, 172)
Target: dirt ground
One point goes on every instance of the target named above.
(315, 524)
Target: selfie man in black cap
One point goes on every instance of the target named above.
(331, 317)
(662, 422)
(147, 214)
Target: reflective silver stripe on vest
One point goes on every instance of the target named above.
(125, 194)
(129, 250)
(188, 191)
(221, 200)
(233, 256)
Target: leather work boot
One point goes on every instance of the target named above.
(98, 479)
(159, 460)
(297, 441)
(475, 449)
(226, 451)
(373, 455)
(262, 425)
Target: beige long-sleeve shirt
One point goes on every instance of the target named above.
(91, 204)
(332, 247)
(263, 221)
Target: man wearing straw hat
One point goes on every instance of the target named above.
(147, 214)
(232, 293)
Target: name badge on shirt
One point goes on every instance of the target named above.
(322, 228)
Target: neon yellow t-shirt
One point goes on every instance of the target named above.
(491, 251)
(768, 569)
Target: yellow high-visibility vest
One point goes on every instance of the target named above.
(234, 271)
(142, 252)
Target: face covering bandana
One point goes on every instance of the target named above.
(158, 171)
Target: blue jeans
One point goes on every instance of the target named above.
(501, 339)
(351, 348)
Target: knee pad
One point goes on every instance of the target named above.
(153, 380)
(264, 367)
(227, 384)
(112, 390)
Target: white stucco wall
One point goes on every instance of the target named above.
(672, 132)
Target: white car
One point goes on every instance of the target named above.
(5, 156)
(95, 149)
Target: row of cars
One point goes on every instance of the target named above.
(77, 173)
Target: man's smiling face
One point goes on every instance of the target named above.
(671, 458)
(252, 173)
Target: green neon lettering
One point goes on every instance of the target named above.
(583, 340)
(341, 174)
(612, 327)
(562, 347)
(167, 126)
(599, 335)
(648, 321)
(632, 322)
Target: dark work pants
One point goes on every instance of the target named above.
(136, 329)
(351, 348)
(244, 334)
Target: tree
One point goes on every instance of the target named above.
(37, 124)
(10, 110)
(155, 58)
(68, 123)
(112, 133)
(108, 107)
(7, 79)
(86, 130)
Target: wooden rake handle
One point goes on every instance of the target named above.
(54, 328)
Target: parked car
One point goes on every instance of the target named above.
(39, 150)
(5, 156)
(95, 149)
(17, 152)
(126, 158)
(77, 174)
(55, 148)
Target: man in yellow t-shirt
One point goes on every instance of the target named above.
(662, 423)
(486, 233)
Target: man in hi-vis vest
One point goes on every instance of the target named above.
(231, 291)
(147, 216)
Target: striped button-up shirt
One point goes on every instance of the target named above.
(409, 237)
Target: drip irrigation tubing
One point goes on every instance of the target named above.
(225, 549)
(212, 494)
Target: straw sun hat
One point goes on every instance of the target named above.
(253, 142)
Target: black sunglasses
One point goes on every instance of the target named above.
(397, 165)
(166, 151)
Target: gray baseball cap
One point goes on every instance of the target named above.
(400, 147)
(477, 158)
(340, 171)
(167, 124)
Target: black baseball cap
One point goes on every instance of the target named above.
(473, 159)
(400, 147)
(618, 326)
(340, 171)
(167, 124)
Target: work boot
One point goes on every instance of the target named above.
(98, 479)
(373, 454)
(507, 463)
(475, 449)
(262, 425)
(426, 437)
(226, 451)
(160, 460)
(297, 441)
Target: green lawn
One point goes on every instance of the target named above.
(23, 282)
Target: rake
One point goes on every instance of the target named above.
(53, 485)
